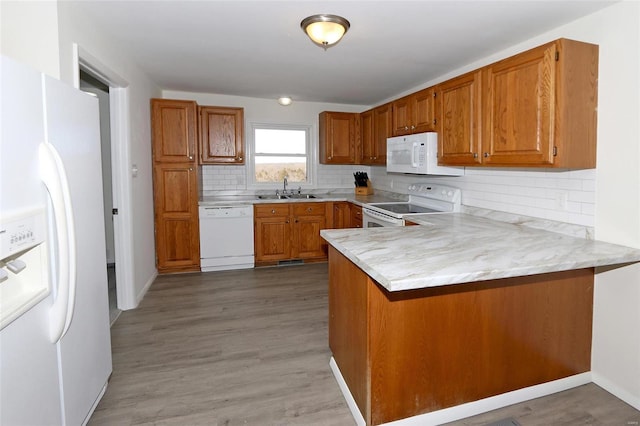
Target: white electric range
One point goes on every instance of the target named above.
(423, 199)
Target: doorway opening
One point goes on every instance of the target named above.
(94, 85)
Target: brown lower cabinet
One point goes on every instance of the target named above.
(290, 231)
(346, 215)
(412, 352)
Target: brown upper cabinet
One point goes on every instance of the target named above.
(174, 130)
(459, 109)
(375, 128)
(414, 113)
(221, 135)
(534, 109)
(338, 134)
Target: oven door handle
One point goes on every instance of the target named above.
(380, 216)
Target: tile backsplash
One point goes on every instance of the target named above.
(560, 195)
(234, 178)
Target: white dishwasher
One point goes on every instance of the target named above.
(226, 237)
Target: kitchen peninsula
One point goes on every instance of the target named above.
(458, 310)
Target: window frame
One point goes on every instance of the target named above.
(311, 156)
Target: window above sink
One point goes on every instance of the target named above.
(279, 150)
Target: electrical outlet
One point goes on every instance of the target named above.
(562, 200)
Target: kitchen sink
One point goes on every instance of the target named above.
(272, 197)
(285, 197)
(301, 196)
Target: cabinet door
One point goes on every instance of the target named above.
(356, 216)
(272, 238)
(459, 110)
(176, 217)
(173, 126)
(308, 220)
(367, 138)
(221, 135)
(424, 111)
(341, 215)
(519, 106)
(402, 116)
(307, 242)
(338, 132)
(382, 123)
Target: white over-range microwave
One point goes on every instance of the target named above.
(417, 154)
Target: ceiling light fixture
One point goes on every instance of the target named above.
(325, 30)
(284, 100)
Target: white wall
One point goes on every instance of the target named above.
(267, 111)
(139, 89)
(29, 34)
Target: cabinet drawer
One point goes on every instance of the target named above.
(309, 209)
(268, 210)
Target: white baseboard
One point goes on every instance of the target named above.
(353, 407)
(471, 408)
(144, 290)
(617, 391)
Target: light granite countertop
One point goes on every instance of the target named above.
(457, 248)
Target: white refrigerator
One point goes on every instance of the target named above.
(55, 347)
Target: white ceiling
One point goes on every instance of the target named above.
(257, 49)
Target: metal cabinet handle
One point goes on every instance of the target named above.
(191, 157)
(273, 211)
(240, 158)
(475, 155)
(309, 209)
(486, 155)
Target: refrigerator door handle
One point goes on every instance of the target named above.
(53, 175)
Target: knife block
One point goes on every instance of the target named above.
(365, 190)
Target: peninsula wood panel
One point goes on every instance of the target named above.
(348, 327)
(435, 348)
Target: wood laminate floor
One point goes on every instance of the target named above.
(250, 348)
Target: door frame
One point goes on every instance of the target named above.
(120, 175)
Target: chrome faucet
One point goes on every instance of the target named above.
(284, 191)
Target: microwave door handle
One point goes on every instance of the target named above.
(414, 154)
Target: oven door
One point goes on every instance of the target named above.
(375, 219)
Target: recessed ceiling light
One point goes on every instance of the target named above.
(284, 100)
